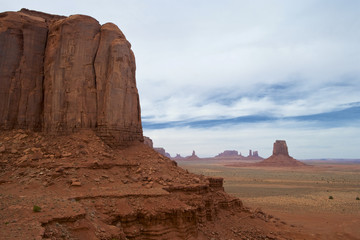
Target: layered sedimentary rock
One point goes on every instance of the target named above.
(148, 141)
(69, 84)
(280, 157)
(116, 86)
(60, 74)
(280, 147)
(163, 152)
(22, 44)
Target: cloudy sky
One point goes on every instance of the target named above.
(237, 75)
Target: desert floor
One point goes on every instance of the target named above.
(298, 196)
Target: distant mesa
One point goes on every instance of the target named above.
(235, 155)
(178, 157)
(229, 153)
(226, 155)
(280, 157)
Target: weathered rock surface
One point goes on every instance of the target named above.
(162, 152)
(22, 44)
(280, 157)
(280, 147)
(60, 74)
(148, 141)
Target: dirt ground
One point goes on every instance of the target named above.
(299, 196)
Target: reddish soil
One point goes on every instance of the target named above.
(325, 226)
(88, 190)
(299, 196)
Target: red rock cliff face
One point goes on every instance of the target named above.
(280, 147)
(22, 45)
(60, 74)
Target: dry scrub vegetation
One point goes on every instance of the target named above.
(322, 198)
(291, 189)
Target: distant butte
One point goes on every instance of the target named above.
(280, 157)
(193, 156)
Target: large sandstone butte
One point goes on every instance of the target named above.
(60, 74)
(73, 78)
(280, 157)
(280, 147)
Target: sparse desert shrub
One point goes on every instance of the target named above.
(36, 208)
(357, 198)
(331, 197)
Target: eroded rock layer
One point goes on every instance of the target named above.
(85, 189)
(60, 74)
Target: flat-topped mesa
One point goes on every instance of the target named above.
(61, 74)
(280, 147)
(228, 153)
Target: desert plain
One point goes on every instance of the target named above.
(322, 198)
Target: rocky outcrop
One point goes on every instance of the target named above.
(23, 40)
(88, 190)
(162, 152)
(148, 141)
(280, 157)
(60, 74)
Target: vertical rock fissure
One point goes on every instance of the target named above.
(95, 78)
(43, 79)
(17, 86)
(70, 73)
